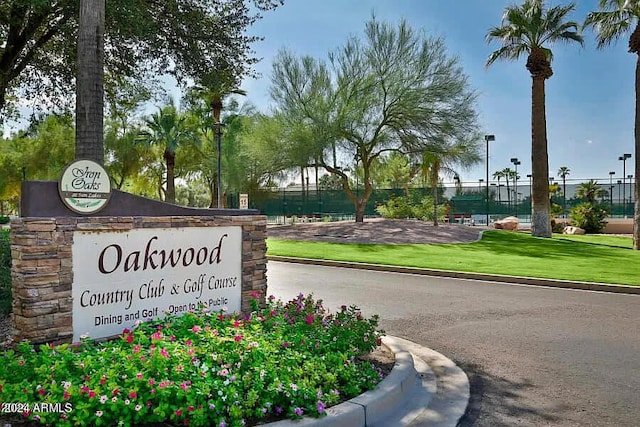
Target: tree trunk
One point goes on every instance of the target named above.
(170, 160)
(90, 88)
(636, 193)
(540, 207)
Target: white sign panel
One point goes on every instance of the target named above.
(123, 277)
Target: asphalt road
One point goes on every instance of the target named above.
(535, 356)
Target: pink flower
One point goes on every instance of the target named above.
(115, 392)
(126, 331)
(92, 394)
(163, 384)
(254, 294)
(98, 414)
(184, 386)
(136, 348)
(164, 353)
(151, 381)
(309, 319)
(236, 324)
(178, 412)
(103, 380)
(156, 336)
(42, 392)
(238, 338)
(133, 395)
(66, 395)
(196, 329)
(129, 338)
(188, 342)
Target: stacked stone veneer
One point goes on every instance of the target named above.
(42, 271)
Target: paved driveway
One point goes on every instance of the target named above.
(535, 356)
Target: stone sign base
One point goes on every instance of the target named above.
(42, 270)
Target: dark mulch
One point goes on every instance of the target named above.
(377, 231)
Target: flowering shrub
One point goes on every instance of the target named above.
(284, 360)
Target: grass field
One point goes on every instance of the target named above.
(582, 258)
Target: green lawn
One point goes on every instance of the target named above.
(580, 258)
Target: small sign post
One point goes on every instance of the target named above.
(244, 201)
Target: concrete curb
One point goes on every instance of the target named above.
(412, 395)
(567, 284)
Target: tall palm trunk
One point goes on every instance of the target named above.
(636, 211)
(90, 82)
(540, 208)
(170, 161)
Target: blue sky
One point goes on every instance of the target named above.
(590, 97)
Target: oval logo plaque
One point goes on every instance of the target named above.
(85, 187)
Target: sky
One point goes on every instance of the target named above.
(589, 99)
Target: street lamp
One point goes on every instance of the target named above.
(624, 158)
(516, 162)
(487, 138)
(611, 174)
(219, 146)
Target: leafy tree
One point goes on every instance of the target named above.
(186, 38)
(526, 29)
(589, 216)
(615, 19)
(393, 90)
(330, 182)
(393, 171)
(563, 173)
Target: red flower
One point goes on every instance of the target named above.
(129, 338)
(133, 395)
(115, 392)
(42, 392)
(178, 412)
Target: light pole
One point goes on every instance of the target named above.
(487, 138)
(530, 176)
(630, 177)
(219, 146)
(611, 174)
(619, 184)
(624, 158)
(516, 162)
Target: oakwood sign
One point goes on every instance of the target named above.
(121, 278)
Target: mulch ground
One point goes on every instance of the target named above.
(376, 231)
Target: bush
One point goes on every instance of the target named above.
(405, 207)
(590, 217)
(4, 220)
(202, 369)
(5, 273)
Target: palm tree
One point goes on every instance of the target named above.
(213, 88)
(563, 173)
(616, 18)
(499, 175)
(590, 191)
(442, 159)
(90, 78)
(526, 29)
(508, 174)
(167, 129)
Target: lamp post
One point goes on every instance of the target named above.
(611, 174)
(619, 184)
(630, 177)
(219, 146)
(516, 162)
(529, 176)
(624, 158)
(487, 138)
